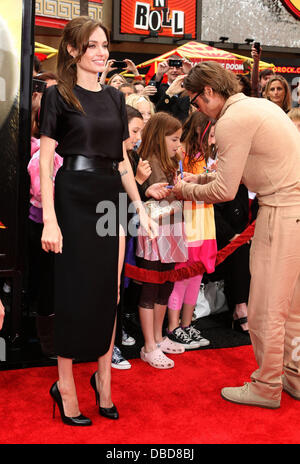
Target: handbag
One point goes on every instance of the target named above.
(202, 307)
(211, 299)
(214, 292)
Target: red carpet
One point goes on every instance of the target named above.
(177, 406)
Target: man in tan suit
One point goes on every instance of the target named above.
(259, 146)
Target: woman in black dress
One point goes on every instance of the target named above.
(89, 123)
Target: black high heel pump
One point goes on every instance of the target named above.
(57, 399)
(109, 413)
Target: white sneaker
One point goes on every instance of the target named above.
(195, 335)
(127, 340)
(118, 361)
(179, 335)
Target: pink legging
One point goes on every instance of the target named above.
(185, 292)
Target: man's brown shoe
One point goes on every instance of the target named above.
(290, 390)
(244, 395)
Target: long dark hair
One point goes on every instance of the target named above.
(76, 33)
(153, 140)
(195, 137)
(131, 114)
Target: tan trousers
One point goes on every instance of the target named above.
(274, 301)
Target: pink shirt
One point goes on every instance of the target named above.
(33, 169)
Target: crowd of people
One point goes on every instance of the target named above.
(97, 135)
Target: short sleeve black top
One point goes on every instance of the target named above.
(99, 131)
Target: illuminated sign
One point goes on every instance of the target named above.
(287, 70)
(293, 6)
(167, 19)
(158, 18)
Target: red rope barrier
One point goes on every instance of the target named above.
(156, 277)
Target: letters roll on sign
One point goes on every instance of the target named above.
(168, 18)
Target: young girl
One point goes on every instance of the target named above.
(201, 237)
(41, 264)
(143, 104)
(160, 142)
(116, 80)
(141, 170)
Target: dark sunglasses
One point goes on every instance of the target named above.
(193, 101)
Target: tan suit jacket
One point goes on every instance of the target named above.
(259, 146)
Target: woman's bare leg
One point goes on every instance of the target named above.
(66, 386)
(122, 246)
(103, 379)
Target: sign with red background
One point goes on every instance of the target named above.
(293, 6)
(168, 18)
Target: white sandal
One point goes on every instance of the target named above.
(157, 359)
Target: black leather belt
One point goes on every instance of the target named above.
(83, 163)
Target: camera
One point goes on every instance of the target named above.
(120, 64)
(256, 45)
(38, 85)
(152, 83)
(175, 63)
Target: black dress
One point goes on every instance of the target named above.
(86, 273)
